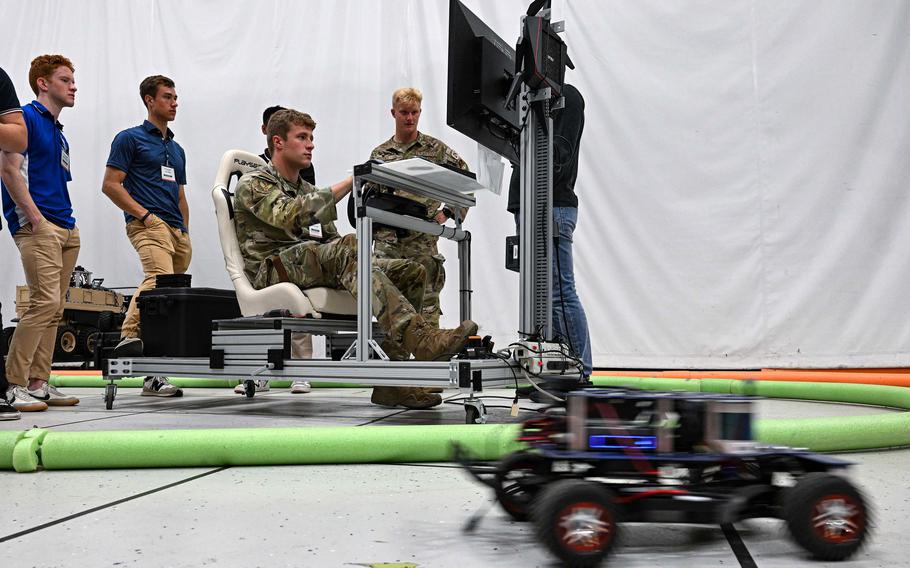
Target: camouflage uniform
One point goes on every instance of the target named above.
(276, 223)
(419, 247)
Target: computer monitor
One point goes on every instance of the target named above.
(481, 69)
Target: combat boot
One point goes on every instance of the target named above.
(430, 344)
(409, 397)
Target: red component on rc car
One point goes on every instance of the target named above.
(838, 518)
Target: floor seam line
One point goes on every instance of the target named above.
(739, 547)
(109, 505)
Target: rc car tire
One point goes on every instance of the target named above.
(827, 516)
(577, 520)
(516, 500)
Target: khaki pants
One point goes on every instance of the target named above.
(48, 256)
(162, 250)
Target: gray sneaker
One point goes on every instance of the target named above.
(159, 386)
(7, 412)
(18, 397)
(52, 397)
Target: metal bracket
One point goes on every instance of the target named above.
(539, 95)
(216, 359)
(275, 357)
(118, 367)
(373, 345)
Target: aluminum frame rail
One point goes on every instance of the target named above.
(385, 174)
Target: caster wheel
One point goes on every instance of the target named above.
(474, 415)
(110, 391)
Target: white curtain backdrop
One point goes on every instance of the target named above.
(743, 179)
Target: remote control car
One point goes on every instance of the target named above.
(614, 456)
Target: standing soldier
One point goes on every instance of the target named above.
(408, 142)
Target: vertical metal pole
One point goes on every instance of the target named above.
(536, 223)
(364, 276)
(464, 278)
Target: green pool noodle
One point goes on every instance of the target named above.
(23, 451)
(273, 446)
(7, 445)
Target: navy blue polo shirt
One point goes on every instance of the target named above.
(46, 170)
(140, 152)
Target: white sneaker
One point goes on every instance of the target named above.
(160, 386)
(52, 397)
(18, 397)
(301, 387)
(262, 385)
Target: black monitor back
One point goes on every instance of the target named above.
(481, 67)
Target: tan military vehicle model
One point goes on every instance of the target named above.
(89, 309)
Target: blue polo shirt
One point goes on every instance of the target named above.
(46, 171)
(140, 152)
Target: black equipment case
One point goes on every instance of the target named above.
(177, 322)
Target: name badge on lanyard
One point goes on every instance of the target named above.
(168, 173)
(65, 159)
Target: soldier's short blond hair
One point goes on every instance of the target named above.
(407, 95)
(281, 122)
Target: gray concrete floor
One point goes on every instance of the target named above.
(346, 515)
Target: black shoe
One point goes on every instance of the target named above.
(128, 347)
(7, 411)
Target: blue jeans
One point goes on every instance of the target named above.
(569, 319)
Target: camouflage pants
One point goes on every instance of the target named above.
(398, 285)
(432, 262)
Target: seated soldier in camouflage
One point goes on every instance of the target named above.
(286, 233)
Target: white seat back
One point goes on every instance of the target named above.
(234, 163)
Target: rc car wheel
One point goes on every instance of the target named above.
(518, 481)
(250, 388)
(577, 520)
(827, 516)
